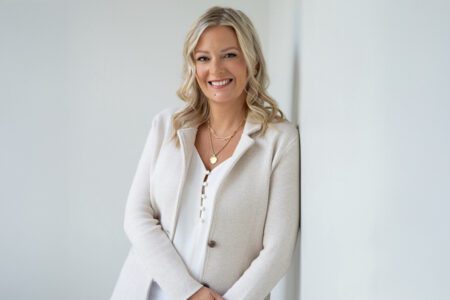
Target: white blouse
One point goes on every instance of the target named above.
(192, 229)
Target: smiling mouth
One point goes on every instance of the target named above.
(220, 83)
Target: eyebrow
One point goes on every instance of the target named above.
(224, 50)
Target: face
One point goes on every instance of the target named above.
(221, 71)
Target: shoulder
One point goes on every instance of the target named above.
(279, 138)
(162, 120)
(282, 133)
(166, 114)
(161, 124)
(284, 140)
(285, 129)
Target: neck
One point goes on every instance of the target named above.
(225, 118)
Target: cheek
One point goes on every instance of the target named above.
(240, 70)
(200, 73)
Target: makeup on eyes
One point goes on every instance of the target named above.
(230, 55)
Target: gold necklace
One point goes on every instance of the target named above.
(219, 137)
(213, 157)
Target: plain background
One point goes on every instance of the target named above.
(367, 81)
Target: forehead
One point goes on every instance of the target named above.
(217, 37)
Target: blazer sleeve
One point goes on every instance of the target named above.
(280, 231)
(149, 241)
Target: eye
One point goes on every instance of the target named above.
(202, 58)
(230, 55)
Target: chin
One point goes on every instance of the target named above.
(224, 97)
(221, 99)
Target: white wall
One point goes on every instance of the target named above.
(375, 122)
(34, 207)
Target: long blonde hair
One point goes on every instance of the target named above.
(259, 106)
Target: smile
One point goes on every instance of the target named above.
(218, 84)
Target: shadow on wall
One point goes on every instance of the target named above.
(292, 279)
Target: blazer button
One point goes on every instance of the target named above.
(212, 243)
(205, 284)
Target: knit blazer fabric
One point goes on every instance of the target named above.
(255, 217)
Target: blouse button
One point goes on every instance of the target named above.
(212, 243)
(205, 183)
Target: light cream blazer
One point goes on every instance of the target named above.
(255, 216)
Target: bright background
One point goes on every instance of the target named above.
(367, 81)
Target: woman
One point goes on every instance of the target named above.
(213, 210)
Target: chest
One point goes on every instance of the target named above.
(208, 146)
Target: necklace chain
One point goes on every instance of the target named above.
(219, 137)
(213, 157)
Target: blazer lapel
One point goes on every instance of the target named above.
(187, 141)
(245, 143)
(246, 140)
(186, 137)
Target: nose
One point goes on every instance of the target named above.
(216, 67)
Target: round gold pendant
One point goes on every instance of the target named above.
(213, 159)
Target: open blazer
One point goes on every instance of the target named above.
(255, 218)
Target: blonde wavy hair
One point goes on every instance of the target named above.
(259, 106)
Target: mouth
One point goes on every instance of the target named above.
(218, 84)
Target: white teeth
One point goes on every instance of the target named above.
(220, 83)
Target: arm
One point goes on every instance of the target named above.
(149, 241)
(280, 231)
